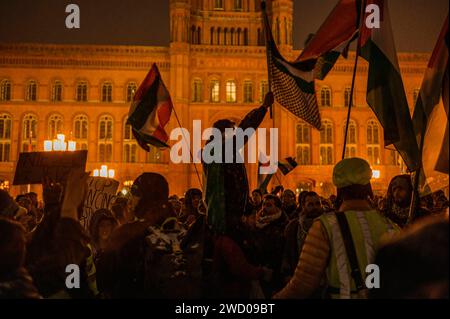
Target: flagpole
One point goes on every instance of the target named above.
(415, 194)
(263, 9)
(350, 103)
(190, 151)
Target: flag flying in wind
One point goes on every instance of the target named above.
(333, 38)
(150, 111)
(263, 179)
(431, 118)
(385, 92)
(287, 165)
(292, 86)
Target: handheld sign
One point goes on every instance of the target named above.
(101, 193)
(33, 166)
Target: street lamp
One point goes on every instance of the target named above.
(104, 172)
(59, 144)
(376, 174)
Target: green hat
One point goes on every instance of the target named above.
(351, 171)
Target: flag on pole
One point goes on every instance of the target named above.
(333, 38)
(263, 179)
(287, 165)
(431, 118)
(150, 111)
(292, 86)
(385, 92)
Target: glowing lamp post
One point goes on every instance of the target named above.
(104, 172)
(59, 144)
(376, 174)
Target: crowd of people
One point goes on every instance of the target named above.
(156, 245)
(225, 241)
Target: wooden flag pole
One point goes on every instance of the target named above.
(350, 103)
(264, 12)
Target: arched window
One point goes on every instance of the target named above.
(303, 143)
(131, 90)
(231, 91)
(351, 146)
(5, 137)
(80, 129)
(325, 96)
(81, 91)
(197, 90)
(219, 30)
(105, 139)
(215, 91)
(347, 93)
(326, 143)
(107, 92)
(129, 145)
(232, 37)
(277, 31)
(373, 143)
(245, 36)
(199, 35)
(5, 90)
(286, 32)
(248, 91)
(31, 91)
(55, 126)
(29, 133)
(263, 90)
(57, 91)
(260, 38)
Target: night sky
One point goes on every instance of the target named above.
(416, 23)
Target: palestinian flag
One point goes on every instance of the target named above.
(150, 111)
(292, 83)
(287, 165)
(385, 92)
(263, 179)
(333, 38)
(431, 118)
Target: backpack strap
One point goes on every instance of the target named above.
(350, 250)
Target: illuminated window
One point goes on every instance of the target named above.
(31, 91)
(129, 145)
(215, 91)
(326, 143)
(264, 89)
(303, 143)
(81, 91)
(5, 90)
(5, 137)
(131, 90)
(107, 92)
(55, 126)
(347, 97)
(105, 139)
(80, 128)
(325, 96)
(231, 91)
(350, 149)
(248, 92)
(373, 143)
(57, 91)
(29, 136)
(197, 89)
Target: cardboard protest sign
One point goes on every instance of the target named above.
(101, 193)
(33, 166)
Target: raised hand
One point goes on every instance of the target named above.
(268, 100)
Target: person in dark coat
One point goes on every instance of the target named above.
(15, 281)
(101, 226)
(398, 201)
(289, 204)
